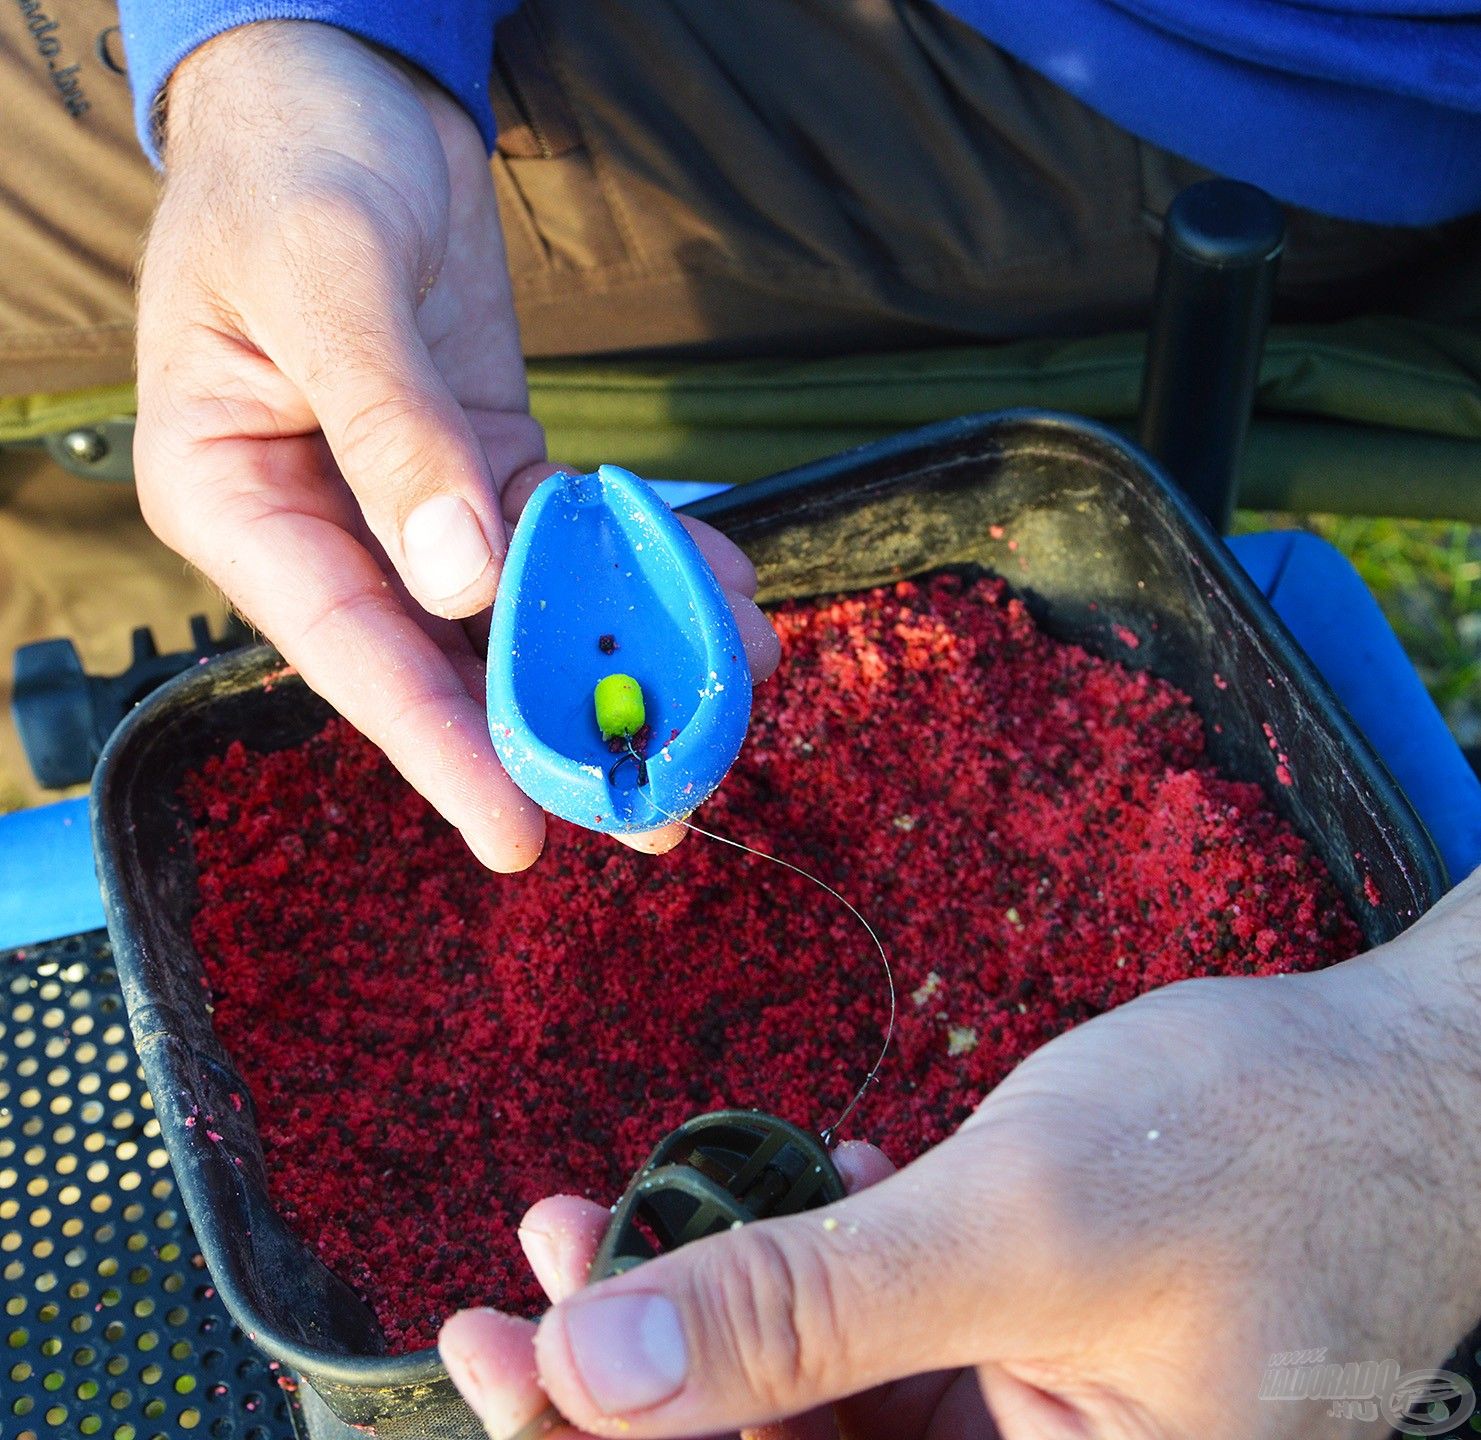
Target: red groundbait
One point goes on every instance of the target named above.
(1034, 831)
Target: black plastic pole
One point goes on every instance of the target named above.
(1221, 247)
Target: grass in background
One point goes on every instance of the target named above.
(1427, 577)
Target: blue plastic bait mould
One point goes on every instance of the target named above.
(602, 579)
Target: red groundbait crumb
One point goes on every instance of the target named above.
(1034, 831)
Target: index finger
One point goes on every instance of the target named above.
(491, 1358)
(310, 585)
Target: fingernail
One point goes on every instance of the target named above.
(445, 547)
(629, 1350)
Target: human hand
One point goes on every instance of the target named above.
(1116, 1244)
(491, 1356)
(333, 419)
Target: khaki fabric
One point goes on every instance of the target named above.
(75, 197)
(801, 177)
(685, 178)
(77, 560)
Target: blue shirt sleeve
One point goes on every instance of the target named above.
(452, 40)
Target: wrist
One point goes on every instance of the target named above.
(270, 76)
(1413, 1004)
(208, 79)
(1433, 970)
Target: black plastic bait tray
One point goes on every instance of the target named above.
(1077, 520)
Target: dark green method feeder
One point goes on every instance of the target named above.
(714, 1173)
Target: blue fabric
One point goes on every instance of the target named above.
(1336, 620)
(452, 40)
(47, 885)
(1365, 109)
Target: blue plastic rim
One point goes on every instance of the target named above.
(602, 579)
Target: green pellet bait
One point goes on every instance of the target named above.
(621, 712)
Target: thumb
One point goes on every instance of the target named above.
(409, 453)
(773, 1319)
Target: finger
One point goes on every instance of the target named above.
(655, 842)
(763, 648)
(560, 1236)
(338, 619)
(779, 1317)
(948, 1403)
(1025, 1409)
(491, 1360)
(860, 1165)
(731, 564)
(403, 443)
(516, 494)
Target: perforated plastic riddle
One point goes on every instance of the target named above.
(111, 1327)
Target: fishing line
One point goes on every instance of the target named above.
(550, 1419)
(884, 959)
